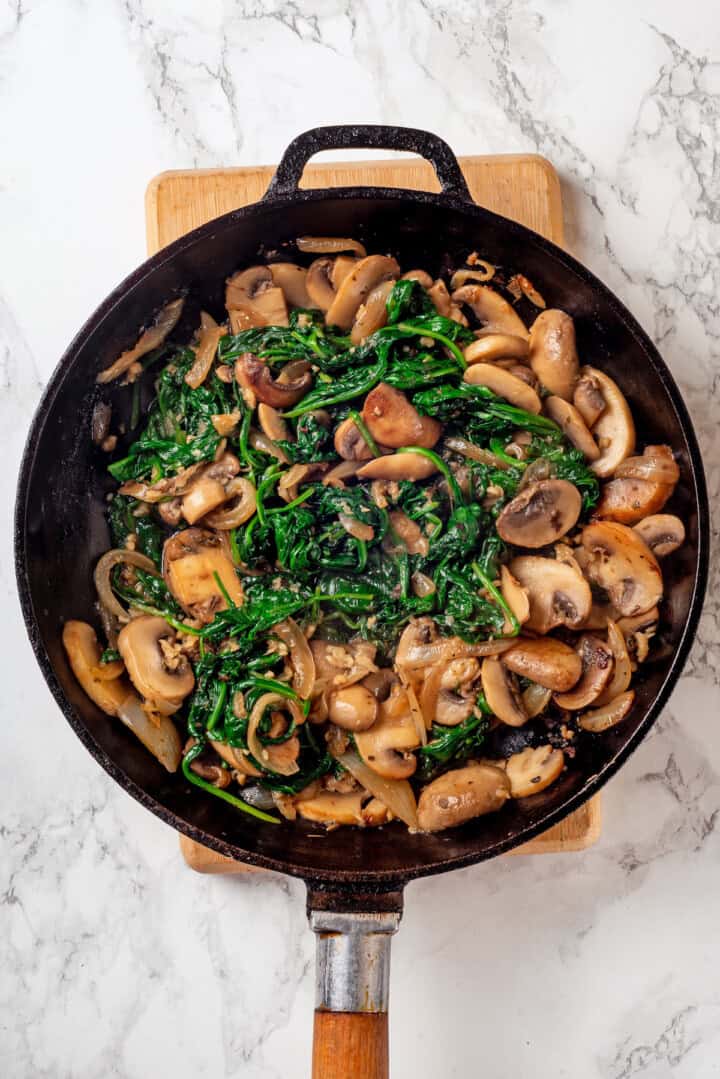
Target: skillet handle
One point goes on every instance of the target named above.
(350, 1037)
(288, 174)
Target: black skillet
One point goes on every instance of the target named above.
(354, 878)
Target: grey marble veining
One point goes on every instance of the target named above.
(116, 961)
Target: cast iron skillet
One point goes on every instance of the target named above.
(61, 530)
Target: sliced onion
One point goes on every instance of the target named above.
(601, 719)
(415, 710)
(395, 794)
(449, 648)
(150, 339)
(622, 667)
(244, 503)
(258, 750)
(301, 657)
(107, 563)
(475, 453)
(429, 694)
(535, 699)
(261, 442)
(329, 245)
(168, 487)
(210, 334)
(158, 734)
(481, 271)
(660, 468)
(356, 528)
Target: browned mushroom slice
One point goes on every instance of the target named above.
(614, 431)
(357, 286)
(291, 279)
(460, 795)
(205, 350)
(330, 808)
(405, 535)
(573, 426)
(540, 514)
(319, 284)
(559, 595)
(392, 420)
(421, 276)
(372, 314)
(349, 442)
(533, 770)
(491, 310)
(622, 666)
(161, 674)
(342, 266)
(546, 661)
(504, 384)
(256, 380)
(501, 692)
(151, 338)
(191, 560)
(440, 296)
(663, 533)
(621, 563)
(329, 245)
(629, 500)
(656, 465)
(210, 488)
(553, 355)
(588, 398)
(353, 708)
(398, 466)
(239, 506)
(252, 293)
(387, 746)
(84, 654)
(601, 719)
(272, 423)
(496, 346)
(597, 667)
(514, 595)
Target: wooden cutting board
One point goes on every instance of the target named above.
(524, 187)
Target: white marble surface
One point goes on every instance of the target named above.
(114, 959)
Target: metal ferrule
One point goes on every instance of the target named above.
(353, 960)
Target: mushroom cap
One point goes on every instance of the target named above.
(501, 693)
(372, 314)
(327, 807)
(663, 533)
(559, 595)
(540, 514)
(573, 426)
(505, 385)
(291, 278)
(553, 354)
(84, 652)
(139, 645)
(319, 285)
(588, 398)
(386, 747)
(514, 595)
(533, 770)
(621, 562)
(190, 561)
(255, 376)
(272, 424)
(357, 286)
(491, 309)
(628, 500)
(252, 293)
(353, 708)
(398, 466)
(546, 661)
(496, 346)
(607, 715)
(597, 667)
(461, 794)
(394, 422)
(349, 442)
(421, 276)
(614, 431)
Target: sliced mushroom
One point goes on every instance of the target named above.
(151, 338)
(629, 500)
(540, 514)
(614, 431)
(405, 535)
(505, 385)
(601, 719)
(372, 314)
(573, 426)
(421, 276)
(342, 266)
(546, 661)
(440, 296)
(251, 293)
(257, 382)
(289, 483)
(190, 560)
(386, 747)
(460, 795)
(663, 533)
(392, 420)
(357, 286)
(349, 442)
(491, 310)
(597, 668)
(588, 398)
(291, 279)
(329, 245)
(398, 466)
(621, 563)
(205, 495)
(272, 423)
(205, 350)
(319, 284)
(236, 758)
(161, 675)
(622, 666)
(496, 346)
(239, 506)
(559, 595)
(533, 770)
(657, 464)
(84, 652)
(553, 353)
(353, 708)
(481, 272)
(501, 692)
(514, 595)
(330, 808)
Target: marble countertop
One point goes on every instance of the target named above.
(114, 959)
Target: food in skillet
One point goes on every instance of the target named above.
(380, 550)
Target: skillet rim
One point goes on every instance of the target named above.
(273, 201)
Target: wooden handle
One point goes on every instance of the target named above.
(204, 860)
(350, 1045)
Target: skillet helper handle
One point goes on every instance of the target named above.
(288, 174)
(350, 1037)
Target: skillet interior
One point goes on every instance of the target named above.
(61, 529)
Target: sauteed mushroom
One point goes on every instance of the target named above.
(161, 675)
(663, 533)
(546, 661)
(490, 309)
(84, 654)
(292, 280)
(252, 300)
(504, 384)
(398, 466)
(496, 346)
(558, 593)
(567, 417)
(553, 354)
(501, 693)
(462, 794)
(392, 420)
(319, 284)
(540, 514)
(349, 442)
(614, 431)
(192, 559)
(357, 286)
(256, 379)
(621, 563)
(597, 667)
(533, 770)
